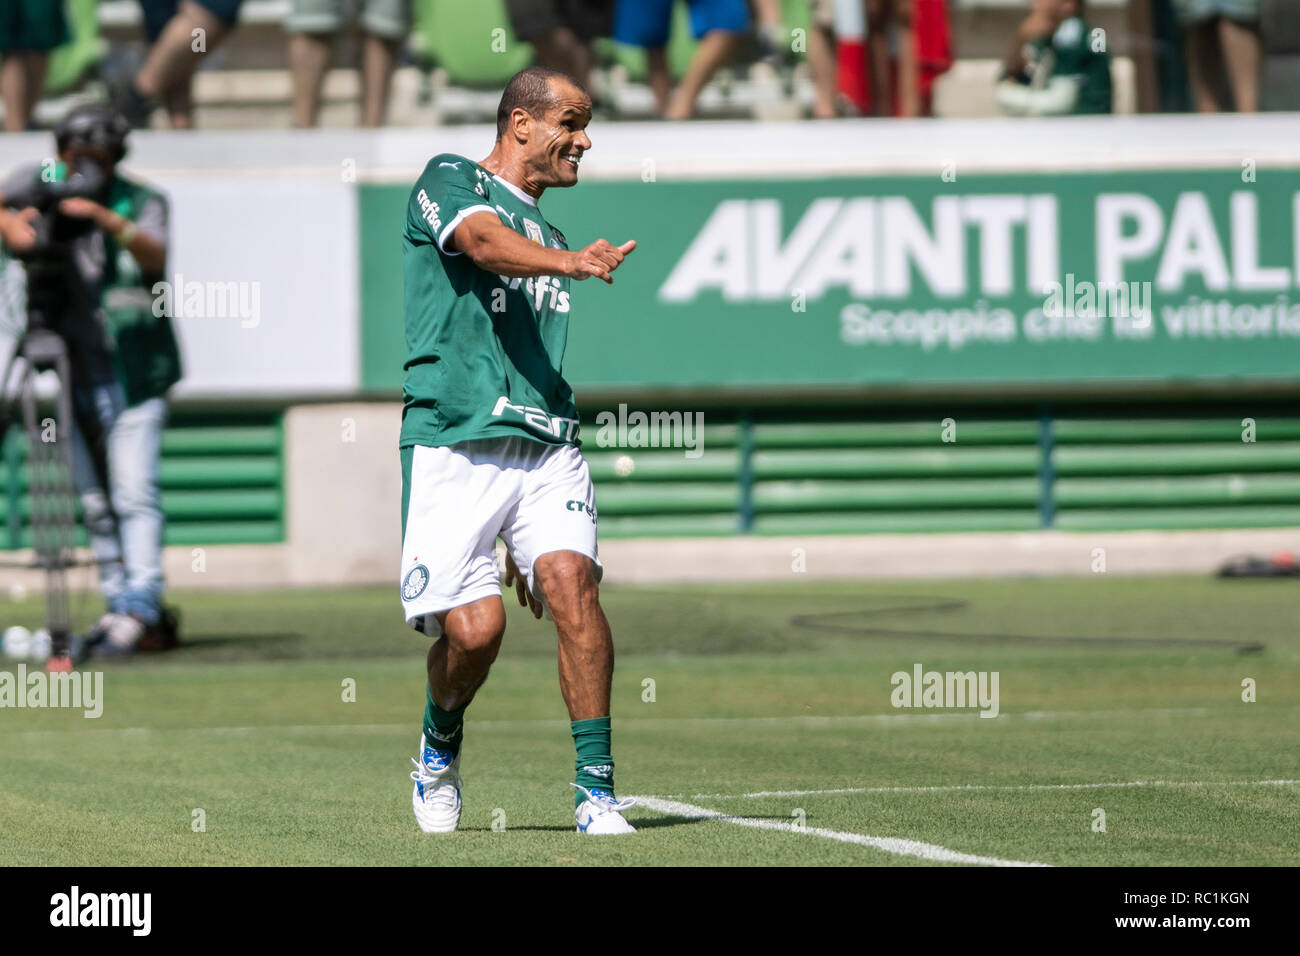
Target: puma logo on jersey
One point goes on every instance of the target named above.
(449, 165)
(508, 215)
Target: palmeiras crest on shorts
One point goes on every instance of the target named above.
(416, 580)
(534, 232)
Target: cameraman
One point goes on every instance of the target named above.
(117, 250)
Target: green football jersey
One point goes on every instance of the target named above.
(483, 351)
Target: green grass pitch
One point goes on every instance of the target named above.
(780, 689)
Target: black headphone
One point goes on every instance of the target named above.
(93, 124)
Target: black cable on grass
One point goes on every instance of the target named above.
(851, 622)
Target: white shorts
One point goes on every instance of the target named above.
(458, 499)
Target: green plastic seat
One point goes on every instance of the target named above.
(70, 62)
(460, 38)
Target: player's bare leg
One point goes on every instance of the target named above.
(567, 583)
(458, 665)
(458, 662)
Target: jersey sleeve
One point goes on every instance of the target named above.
(446, 193)
(151, 217)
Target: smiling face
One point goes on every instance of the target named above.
(558, 139)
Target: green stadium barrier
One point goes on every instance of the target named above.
(855, 495)
(1162, 430)
(879, 463)
(222, 482)
(1160, 491)
(1025, 470)
(1201, 458)
(901, 522)
(1170, 519)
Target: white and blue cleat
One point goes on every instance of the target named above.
(600, 814)
(436, 797)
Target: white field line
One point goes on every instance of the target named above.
(803, 720)
(896, 845)
(962, 788)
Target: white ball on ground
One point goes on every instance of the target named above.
(17, 642)
(624, 466)
(40, 647)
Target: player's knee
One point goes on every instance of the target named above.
(567, 581)
(476, 630)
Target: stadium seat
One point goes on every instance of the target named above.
(460, 38)
(70, 62)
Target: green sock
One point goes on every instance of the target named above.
(594, 765)
(443, 729)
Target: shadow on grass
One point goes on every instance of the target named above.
(650, 823)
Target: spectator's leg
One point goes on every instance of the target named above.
(385, 25)
(562, 49)
(821, 63)
(878, 53)
(1202, 54)
(379, 54)
(713, 51)
(180, 106)
(909, 94)
(309, 59)
(36, 65)
(173, 59)
(661, 81)
(1242, 55)
(13, 89)
(772, 33)
(22, 77)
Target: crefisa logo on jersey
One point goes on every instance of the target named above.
(416, 580)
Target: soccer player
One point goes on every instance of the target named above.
(489, 440)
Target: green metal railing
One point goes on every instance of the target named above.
(1014, 468)
(222, 482)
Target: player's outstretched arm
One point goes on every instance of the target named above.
(493, 246)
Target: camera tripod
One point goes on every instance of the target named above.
(51, 488)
